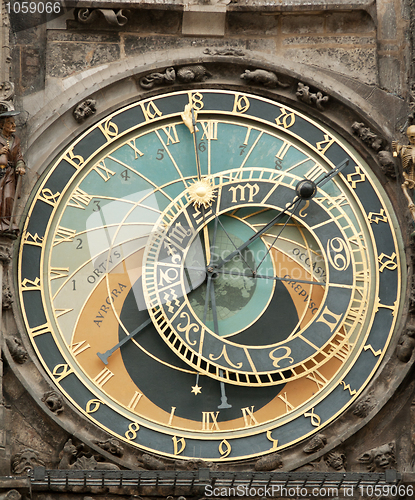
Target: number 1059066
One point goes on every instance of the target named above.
(38, 7)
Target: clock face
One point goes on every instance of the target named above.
(188, 296)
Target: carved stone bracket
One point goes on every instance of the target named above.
(406, 345)
(17, 351)
(336, 460)
(316, 99)
(112, 446)
(317, 443)
(84, 110)
(149, 462)
(262, 77)
(74, 457)
(364, 406)
(227, 51)
(379, 459)
(7, 297)
(269, 462)
(53, 401)
(367, 136)
(114, 17)
(186, 74)
(195, 464)
(6, 91)
(376, 143)
(5, 254)
(10, 495)
(26, 460)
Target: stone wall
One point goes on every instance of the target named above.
(366, 44)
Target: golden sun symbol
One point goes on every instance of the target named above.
(202, 193)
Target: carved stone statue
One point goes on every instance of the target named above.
(12, 168)
(407, 155)
(379, 459)
(26, 460)
(71, 457)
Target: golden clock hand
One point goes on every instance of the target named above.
(104, 356)
(199, 173)
(207, 245)
(189, 118)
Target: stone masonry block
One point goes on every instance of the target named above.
(312, 23)
(359, 63)
(65, 59)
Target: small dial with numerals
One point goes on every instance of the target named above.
(184, 297)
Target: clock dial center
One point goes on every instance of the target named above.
(306, 189)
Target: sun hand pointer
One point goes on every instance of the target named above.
(104, 356)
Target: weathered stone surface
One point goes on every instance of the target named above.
(349, 22)
(303, 24)
(389, 73)
(357, 63)
(66, 59)
(251, 23)
(333, 40)
(139, 21)
(81, 36)
(387, 24)
(134, 44)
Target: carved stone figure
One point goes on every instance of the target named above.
(71, 458)
(194, 465)
(154, 79)
(269, 462)
(151, 463)
(53, 401)
(263, 77)
(335, 460)
(367, 136)
(229, 51)
(84, 109)
(407, 155)
(12, 168)
(114, 17)
(315, 444)
(17, 351)
(379, 459)
(10, 495)
(186, 74)
(6, 91)
(196, 73)
(387, 163)
(313, 98)
(26, 460)
(112, 446)
(406, 345)
(7, 298)
(364, 407)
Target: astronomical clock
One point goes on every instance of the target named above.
(210, 273)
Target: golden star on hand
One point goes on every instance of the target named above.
(196, 389)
